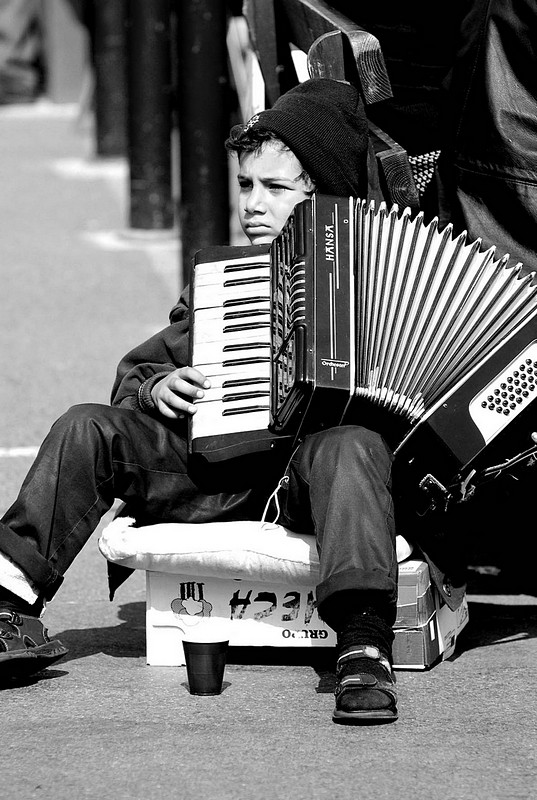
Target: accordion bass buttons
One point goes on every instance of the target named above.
(498, 403)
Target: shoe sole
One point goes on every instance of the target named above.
(23, 663)
(370, 717)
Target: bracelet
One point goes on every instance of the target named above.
(145, 401)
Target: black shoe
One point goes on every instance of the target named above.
(365, 687)
(25, 647)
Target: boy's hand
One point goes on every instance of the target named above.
(173, 395)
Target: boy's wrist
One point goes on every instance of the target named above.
(144, 396)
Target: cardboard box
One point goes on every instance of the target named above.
(426, 628)
(422, 646)
(253, 613)
(415, 595)
(248, 613)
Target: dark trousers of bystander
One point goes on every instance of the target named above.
(20, 51)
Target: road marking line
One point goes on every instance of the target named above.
(18, 452)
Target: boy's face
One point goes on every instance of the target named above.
(269, 189)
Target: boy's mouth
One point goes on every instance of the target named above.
(257, 229)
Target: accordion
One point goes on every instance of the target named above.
(359, 315)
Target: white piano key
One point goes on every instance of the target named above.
(218, 373)
(218, 325)
(233, 311)
(231, 266)
(216, 295)
(241, 376)
(234, 352)
(252, 389)
(219, 337)
(209, 420)
(238, 276)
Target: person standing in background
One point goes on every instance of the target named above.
(21, 70)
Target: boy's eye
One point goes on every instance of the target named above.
(244, 184)
(277, 187)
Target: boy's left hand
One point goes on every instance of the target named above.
(173, 395)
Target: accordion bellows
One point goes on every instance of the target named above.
(430, 307)
(410, 311)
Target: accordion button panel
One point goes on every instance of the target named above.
(505, 397)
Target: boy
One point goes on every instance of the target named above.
(314, 138)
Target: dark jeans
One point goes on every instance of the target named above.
(338, 489)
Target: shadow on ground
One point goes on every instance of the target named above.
(125, 640)
(496, 624)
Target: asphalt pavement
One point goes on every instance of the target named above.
(77, 291)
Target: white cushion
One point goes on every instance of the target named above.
(261, 551)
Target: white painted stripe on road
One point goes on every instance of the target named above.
(18, 452)
(41, 108)
(163, 247)
(154, 241)
(90, 169)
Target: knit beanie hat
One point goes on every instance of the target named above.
(323, 122)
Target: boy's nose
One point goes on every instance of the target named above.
(255, 200)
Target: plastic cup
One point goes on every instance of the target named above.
(205, 664)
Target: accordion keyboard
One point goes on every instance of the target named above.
(231, 345)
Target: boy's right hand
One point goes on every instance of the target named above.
(173, 394)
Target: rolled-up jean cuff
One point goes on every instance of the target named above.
(358, 580)
(40, 572)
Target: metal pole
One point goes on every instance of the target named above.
(149, 114)
(203, 126)
(109, 63)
